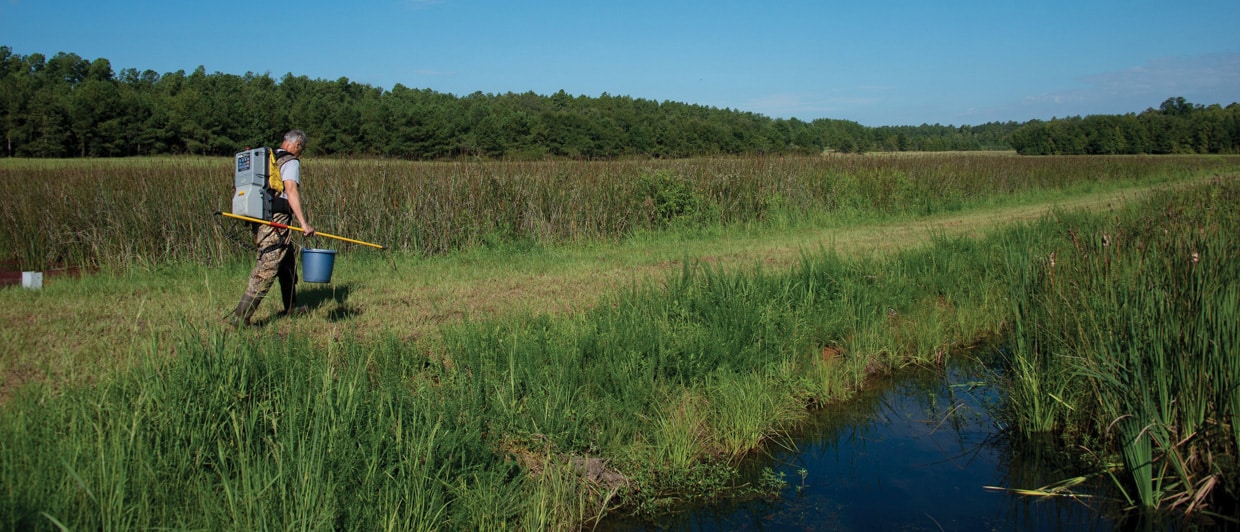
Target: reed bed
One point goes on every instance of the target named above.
(110, 213)
(1125, 341)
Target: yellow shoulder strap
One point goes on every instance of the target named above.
(274, 181)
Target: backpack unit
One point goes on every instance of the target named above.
(258, 184)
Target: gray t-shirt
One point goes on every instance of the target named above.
(290, 171)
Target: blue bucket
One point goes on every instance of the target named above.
(316, 265)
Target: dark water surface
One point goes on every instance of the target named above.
(912, 453)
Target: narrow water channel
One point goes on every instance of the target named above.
(916, 452)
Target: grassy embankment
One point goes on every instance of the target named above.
(340, 420)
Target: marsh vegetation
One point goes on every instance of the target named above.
(647, 391)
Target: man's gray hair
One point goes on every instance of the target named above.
(297, 136)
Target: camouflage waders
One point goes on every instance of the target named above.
(276, 260)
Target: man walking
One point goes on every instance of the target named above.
(276, 259)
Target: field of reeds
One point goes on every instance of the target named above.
(651, 398)
(114, 213)
(1126, 341)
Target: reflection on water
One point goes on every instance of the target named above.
(911, 453)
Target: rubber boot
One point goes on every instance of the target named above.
(240, 317)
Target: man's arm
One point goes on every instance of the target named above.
(294, 203)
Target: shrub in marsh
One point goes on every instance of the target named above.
(667, 199)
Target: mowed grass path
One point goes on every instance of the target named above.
(570, 279)
(77, 329)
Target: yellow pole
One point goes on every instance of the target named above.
(283, 226)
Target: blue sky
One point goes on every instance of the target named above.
(879, 63)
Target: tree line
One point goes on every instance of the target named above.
(1177, 126)
(68, 106)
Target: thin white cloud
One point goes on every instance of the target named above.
(1170, 74)
(422, 4)
(784, 100)
(787, 105)
(1204, 79)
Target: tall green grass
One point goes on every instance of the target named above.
(110, 213)
(234, 433)
(1125, 333)
(527, 422)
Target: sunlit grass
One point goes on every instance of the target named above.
(672, 385)
(466, 390)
